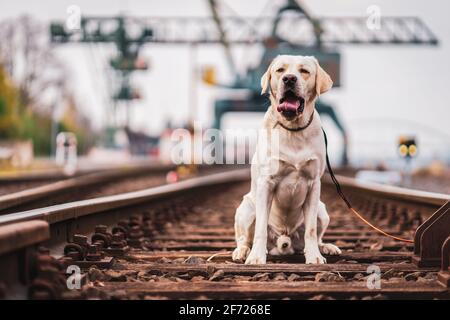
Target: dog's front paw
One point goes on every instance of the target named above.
(256, 256)
(314, 257)
(240, 253)
(328, 248)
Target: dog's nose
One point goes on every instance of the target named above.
(289, 79)
(284, 245)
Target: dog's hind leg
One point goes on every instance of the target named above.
(244, 228)
(322, 225)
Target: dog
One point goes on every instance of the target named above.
(284, 196)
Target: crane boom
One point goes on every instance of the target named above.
(297, 30)
(223, 35)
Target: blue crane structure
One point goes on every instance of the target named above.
(291, 31)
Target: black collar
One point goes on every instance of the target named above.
(298, 128)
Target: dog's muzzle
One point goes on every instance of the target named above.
(291, 105)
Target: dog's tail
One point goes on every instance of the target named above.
(284, 243)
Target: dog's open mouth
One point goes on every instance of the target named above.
(290, 104)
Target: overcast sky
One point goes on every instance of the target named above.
(386, 90)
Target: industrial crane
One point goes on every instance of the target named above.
(300, 34)
(303, 34)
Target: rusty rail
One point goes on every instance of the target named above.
(77, 209)
(41, 192)
(429, 236)
(432, 199)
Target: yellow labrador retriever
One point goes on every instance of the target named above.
(284, 198)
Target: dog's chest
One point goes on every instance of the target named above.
(299, 154)
(294, 183)
(290, 194)
(299, 167)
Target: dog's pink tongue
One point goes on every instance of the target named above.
(289, 105)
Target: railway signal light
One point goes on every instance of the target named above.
(407, 147)
(209, 75)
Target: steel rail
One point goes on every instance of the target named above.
(390, 192)
(22, 234)
(76, 209)
(58, 173)
(71, 210)
(25, 196)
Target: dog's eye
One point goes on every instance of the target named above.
(280, 69)
(304, 71)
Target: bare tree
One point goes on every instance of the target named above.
(25, 52)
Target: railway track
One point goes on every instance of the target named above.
(174, 241)
(23, 194)
(87, 186)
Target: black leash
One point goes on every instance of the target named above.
(333, 178)
(336, 182)
(342, 195)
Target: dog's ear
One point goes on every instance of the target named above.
(265, 80)
(323, 80)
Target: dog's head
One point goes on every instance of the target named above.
(294, 82)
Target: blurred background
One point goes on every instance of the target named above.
(110, 80)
